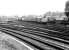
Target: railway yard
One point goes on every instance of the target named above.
(49, 31)
(39, 36)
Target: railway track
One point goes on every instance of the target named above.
(48, 39)
(40, 41)
(37, 30)
(54, 28)
(57, 28)
(33, 41)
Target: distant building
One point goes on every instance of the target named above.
(12, 18)
(29, 18)
(3, 19)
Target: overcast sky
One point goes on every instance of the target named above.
(26, 7)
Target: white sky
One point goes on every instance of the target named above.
(26, 7)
